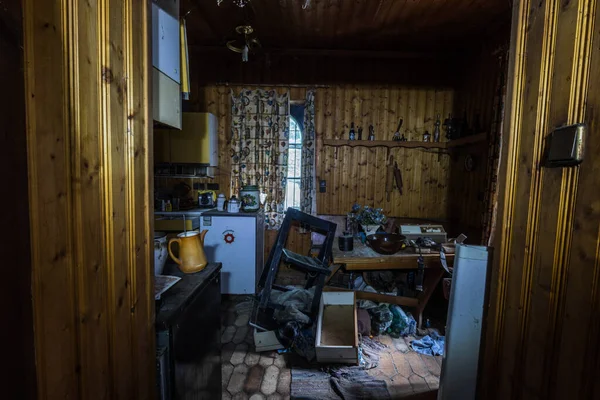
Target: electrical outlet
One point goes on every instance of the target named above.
(322, 186)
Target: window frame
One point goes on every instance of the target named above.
(296, 146)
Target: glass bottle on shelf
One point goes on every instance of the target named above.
(351, 134)
(371, 132)
(426, 136)
(436, 130)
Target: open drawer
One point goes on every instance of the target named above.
(337, 333)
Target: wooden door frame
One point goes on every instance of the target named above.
(525, 12)
(89, 149)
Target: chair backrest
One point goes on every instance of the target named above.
(312, 223)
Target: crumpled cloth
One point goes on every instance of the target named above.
(430, 345)
(296, 304)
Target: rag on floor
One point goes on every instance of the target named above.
(296, 304)
(430, 345)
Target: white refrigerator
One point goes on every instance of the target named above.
(237, 241)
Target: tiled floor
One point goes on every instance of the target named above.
(405, 371)
(254, 376)
(246, 374)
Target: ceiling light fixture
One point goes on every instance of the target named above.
(247, 44)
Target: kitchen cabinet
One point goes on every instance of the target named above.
(195, 143)
(166, 100)
(166, 73)
(188, 330)
(165, 42)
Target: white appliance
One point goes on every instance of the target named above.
(237, 241)
(466, 313)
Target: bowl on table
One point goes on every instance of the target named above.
(386, 243)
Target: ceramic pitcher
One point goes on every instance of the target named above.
(191, 251)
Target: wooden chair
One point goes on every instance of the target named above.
(316, 268)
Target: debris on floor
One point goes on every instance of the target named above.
(390, 365)
(430, 345)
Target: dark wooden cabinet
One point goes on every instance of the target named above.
(188, 336)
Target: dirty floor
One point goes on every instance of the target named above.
(250, 375)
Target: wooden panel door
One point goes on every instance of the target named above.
(544, 320)
(90, 185)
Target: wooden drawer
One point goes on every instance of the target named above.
(337, 332)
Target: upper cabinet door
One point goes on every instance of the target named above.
(165, 43)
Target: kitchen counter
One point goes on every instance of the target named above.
(175, 300)
(188, 332)
(216, 213)
(191, 211)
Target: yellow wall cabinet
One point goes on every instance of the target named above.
(195, 143)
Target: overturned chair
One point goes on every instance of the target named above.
(317, 268)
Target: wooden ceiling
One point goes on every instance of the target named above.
(381, 25)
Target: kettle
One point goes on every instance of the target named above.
(191, 251)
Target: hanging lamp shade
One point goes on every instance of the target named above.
(246, 44)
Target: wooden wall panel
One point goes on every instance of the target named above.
(90, 186)
(357, 174)
(544, 321)
(18, 376)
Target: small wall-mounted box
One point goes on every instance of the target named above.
(565, 146)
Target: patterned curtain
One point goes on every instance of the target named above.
(259, 147)
(494, 151)
(308, 194)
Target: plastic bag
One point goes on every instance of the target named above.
(403, 323)
(381, 318)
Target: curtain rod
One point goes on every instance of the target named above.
(272, 85)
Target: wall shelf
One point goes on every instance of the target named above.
(384, 143)
(480, 137)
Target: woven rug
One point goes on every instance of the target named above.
(337, 382)
(345, 383)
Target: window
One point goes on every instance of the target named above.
(294, 173)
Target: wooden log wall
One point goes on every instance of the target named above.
(90, 185)
(358, 174)
(544, 321)
(18, 376)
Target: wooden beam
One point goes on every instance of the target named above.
(389, 54)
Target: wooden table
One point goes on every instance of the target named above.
(363, 259)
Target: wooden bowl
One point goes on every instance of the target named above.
(386, 243)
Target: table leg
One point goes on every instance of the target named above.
(334, 269)
(432, 278)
